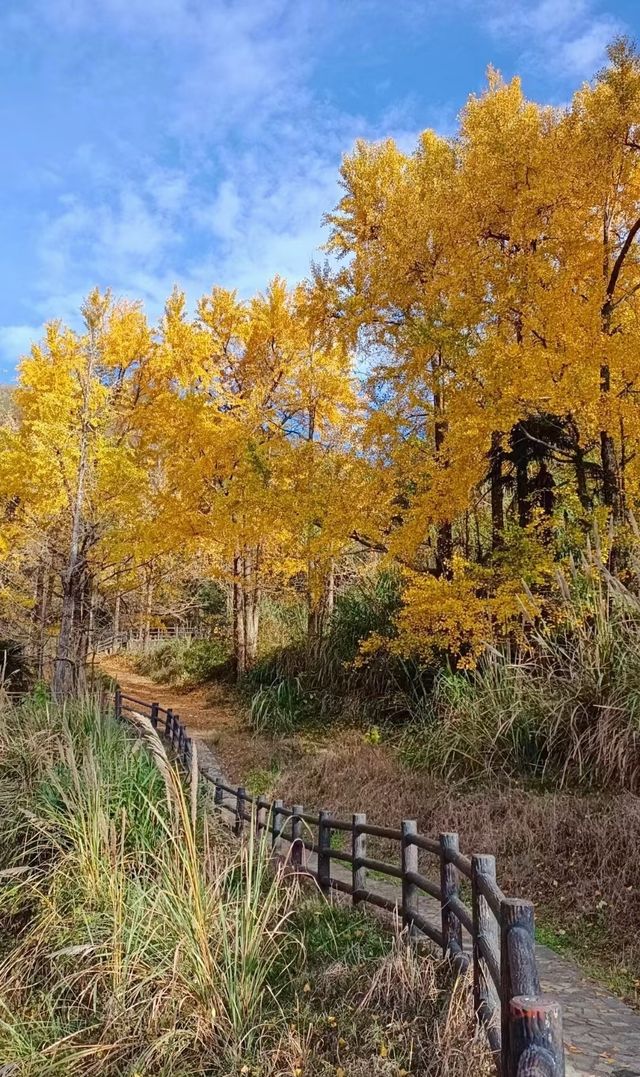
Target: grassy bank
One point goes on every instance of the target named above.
(135, 939)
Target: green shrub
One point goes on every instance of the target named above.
(183, 661)
(283, 707)
(292, 684)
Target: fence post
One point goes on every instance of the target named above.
(409, 864)
(518, 973)
(358, 853)
(261, 816)
(217, 796)
(240, 799)
(451, 926)
(168, 722)
(296, 836)
(276, 825)
(484, 926)
(187, 750)
(154, 715)
(324, 855)
(536, 1036)
(118, 703)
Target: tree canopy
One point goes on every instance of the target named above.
(456, 391)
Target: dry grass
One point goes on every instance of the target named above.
(380, 1030)
(136, 939)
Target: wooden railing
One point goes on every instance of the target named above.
(136, 639)
(523, 1027)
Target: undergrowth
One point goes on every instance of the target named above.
(184, 662)
(134, 939)
(561, 706)
(563, 711)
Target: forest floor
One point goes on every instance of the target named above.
(565, 856)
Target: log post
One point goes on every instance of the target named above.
(240, 799)
(261, 816)
(154, 715)
(409, 864)
(296, 836)
(276, 825)
(484, 927)
(449, 885)
(536, 1037)
(358, 853)
(518, 973)
(118, 702)
(218, 794)
(324, 852)
(168, 723)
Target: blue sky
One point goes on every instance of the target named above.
(149, 142)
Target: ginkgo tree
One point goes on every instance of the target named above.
(71, 468)
(459, 393)
(260, 396)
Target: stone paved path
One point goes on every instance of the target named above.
(602, 1034)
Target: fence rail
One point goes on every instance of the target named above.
(136, 639)
(523, 1026)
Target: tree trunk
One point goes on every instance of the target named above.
(116, 618)
(610, 479)
(444, 540)
(497, 491)
(45, 602)
(611, 494)
(148, 604)
(251, 605)
(238, 615)
(444, 549)
(319, 609)
(521, 464)
(68, 671)
(582, 487)
(91, 626)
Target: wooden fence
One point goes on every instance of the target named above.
(463, 903)
(137, 639)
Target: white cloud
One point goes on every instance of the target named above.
(566, 36)
(253, 154)
(586, 52)
(258, 160)
(15, 341)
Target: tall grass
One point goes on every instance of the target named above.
(291, 684)
(566, 709)
(134, 939)
(146, 947)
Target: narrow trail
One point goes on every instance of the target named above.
(602, 1033)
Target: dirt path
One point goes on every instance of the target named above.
(602, 1034)
(207, 711)
(212, 713)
